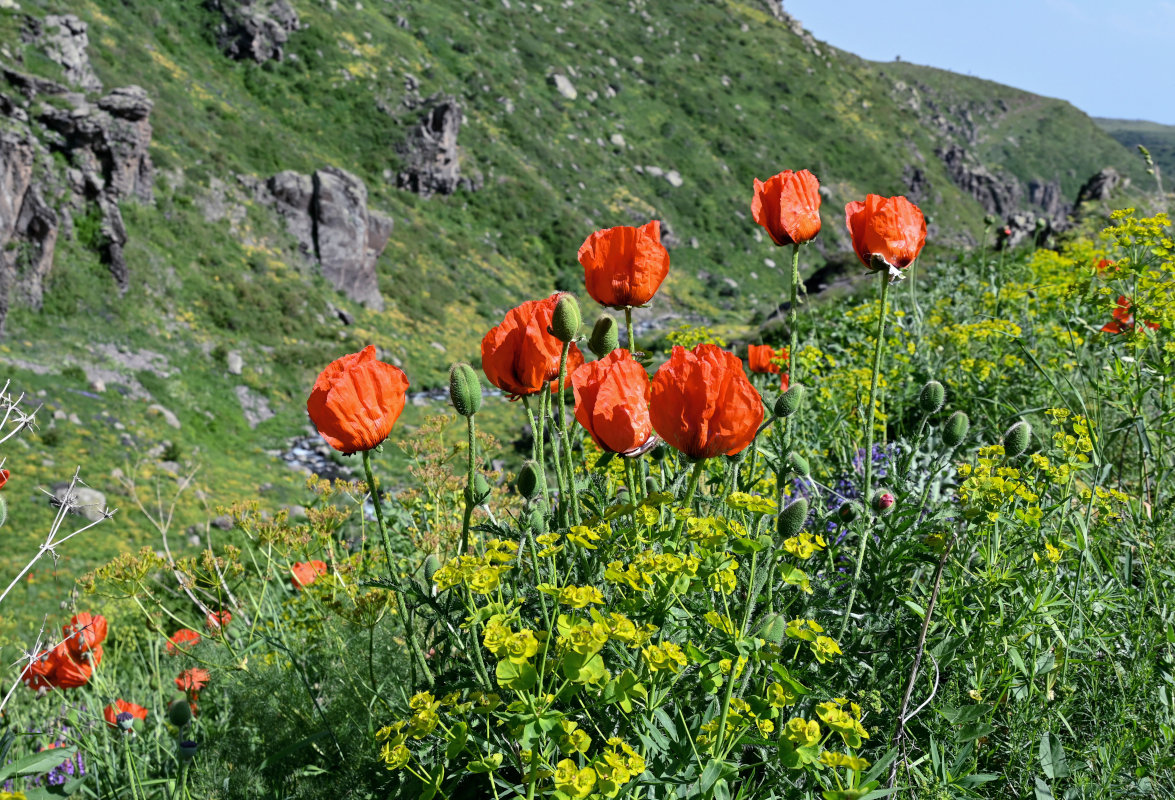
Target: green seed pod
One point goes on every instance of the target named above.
(179, 713)
(794, 462)
(186, 750)
(652, 486)
(789, 402)
(430, 567)
(955, 431)
(792, 518)
(481, 490)
(773, 628)
(565, 323)
(464, 389)
(1016, 439)
(605, 336)
(884, 502)
(528, 480)
(848, 511)
(931, 398)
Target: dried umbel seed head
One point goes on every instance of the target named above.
(464, 389)
(884, 502)
(931, 398)
(797, 463)
(848, 511)
(481, 490)
(773, 628)
(1016, 439)
(566, 322)
(792, 518)
(790, 401)
(179, 712)
(430, 567)
(605, 336)
(955, 431)
(528, 480)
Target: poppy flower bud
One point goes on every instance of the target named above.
(528, 480)
(789, 402)
(659, 452)
(538, 521)
(651, 485)
(186, 750)
(1016, 439)
(792, 518)
(989, 220)
(884, 502)
(605, 336)
(179, 713)
(955, 431)
(464, 389)
(565, 323)
(431, 565)
(773, 628)
(932, 396)
(481, 490)
(797, 463)
(848, 511)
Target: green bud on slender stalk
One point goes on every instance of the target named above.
(179, 713)
(796, 463)
(481, 490)
(955, 431)
(651, 485)
(565, 323)
(464, 389)
(528, 480)
(773, 628)
(884, 502)
(848, 511)
(790, 401)
(605, 336)
(792, 518)
(1016, 439)
(931, 398)
(431, 565)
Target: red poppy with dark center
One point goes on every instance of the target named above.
(702, 404)
(521, 356)
(888, 232)
(624, 266)
(192, 680)
(84, 632)
(356, 401)
(787, 205)
(306, 572)
(612, 403)
(1123, 321)
(121, 706)
(185, 638)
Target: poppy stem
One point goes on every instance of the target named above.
(793, 313)
(573, 495)
(536, 447)
(631, 333)
(471, 429)
(694, 476)
(868, 450)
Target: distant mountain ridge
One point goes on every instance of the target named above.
(1156, 137)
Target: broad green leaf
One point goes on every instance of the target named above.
(520, 677)
(37, 763)
(1052, 756)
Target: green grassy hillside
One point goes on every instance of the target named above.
(1159, 139)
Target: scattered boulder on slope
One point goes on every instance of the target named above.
(254, 29)
(431, 156)
(1101, 185)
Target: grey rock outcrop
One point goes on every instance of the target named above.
(1046, 195)
(63, 38)
(254, 29)
(997, 195)
(431, 156)
(327, 214)
(28, 227)
(1101, 185)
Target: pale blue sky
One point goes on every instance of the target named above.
(1110, 58)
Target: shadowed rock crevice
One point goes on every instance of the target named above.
(432, 160)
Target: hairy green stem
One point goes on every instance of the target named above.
(694, 476)
(631, 332)
(793, 314)
(471, 478)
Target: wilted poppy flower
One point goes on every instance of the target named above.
(306, 572)
(121, 706)
(888, 232)
(574, 362)
(356, 401)
(67, 673)
(624, 266)
(788, 206)
(192, 680)
(183, 638)
(217, 621)
(612, 403)
(521, 356)
(702, 404)
(1123, 320)
(84, 632)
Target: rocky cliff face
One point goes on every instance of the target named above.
(254, 29)
(432, 162)
(28, 227)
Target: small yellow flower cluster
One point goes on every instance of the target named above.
(665, 656)
(846, 723)
(587, 537)
(804, 545)
(739, 717)
(750, 503)
(830, 759)
(606, 774)
(1051, 556)
(518, 648)
(824, 648)
(802, 732)
(988, 487)
(482, 574)
(574, 596)
(649, 567)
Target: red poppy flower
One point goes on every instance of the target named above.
(185, 638)
(888, 232)
(216, 621)
(3, 477)
(67, 673)
(702, 404)
(624, 266)
(37, 675)
(612, 403)
(121, 706)
(521, 356)
(84, 632)
(788, 206)
(1123, 320)
(306, 572)
(356, 401)
(574, 362)
(764, 358)
(192, 680)
(1106, 265)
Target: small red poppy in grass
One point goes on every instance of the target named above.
(888, 232)
(762, 358)
(1123, 321)
(184, 638)
(36, 675)
(521, 355)
(356, 401)
(306, 572)
(120, 707)
(3, 477)
(217, 621)
(84, 632)
(787, 205)
(1106, 266)
(624, 266)
(612, 403)
(192, 680)
(70, 674)
(702, 404)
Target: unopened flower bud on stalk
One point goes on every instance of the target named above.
(481, 490)
(884, 502)
(931, 398)
(179, 712)
(797, 463)
(565, 323)
(773, 628)
(528, 480)
(792, 518)
(955, 431)
(1016, 439)
(789, 402)
(464, 389)
(431, 565)
(848, 511)
(605, 336)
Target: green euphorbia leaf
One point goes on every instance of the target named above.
(520, 677)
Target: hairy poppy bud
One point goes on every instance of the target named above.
(884, 502)
(481, 490)
(792, 518)
(1016, 439)
(528, 480)
(538, 521)
(659, 452)
(955, 431)
(651, 485)
(565, 323)
(431, 565)
(931, 398)
(179, 712)
(773, 628)
(794, 462)
(464, 389)
(789, 402)
(605, 336)
(847, 511)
